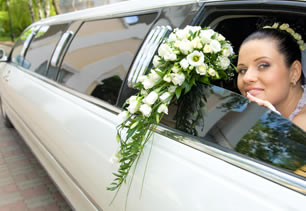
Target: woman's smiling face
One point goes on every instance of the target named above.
(262, 71)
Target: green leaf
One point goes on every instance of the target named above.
(130, 133)
(204, 79)
(112, 188)
(187, 86)
(157, 118)
(178, 92)
(116, 174)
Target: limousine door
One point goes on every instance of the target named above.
(30, 100)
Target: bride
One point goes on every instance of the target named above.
(270, 71)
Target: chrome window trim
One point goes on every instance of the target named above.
(111, 108)
(60, 47)
(274, 175)
(146, 52)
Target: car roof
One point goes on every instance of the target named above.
(114, 10)
(123, 8)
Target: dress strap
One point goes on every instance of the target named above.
(300, 104)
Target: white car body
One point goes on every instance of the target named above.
(75, 140)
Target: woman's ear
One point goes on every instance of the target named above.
(295, 72)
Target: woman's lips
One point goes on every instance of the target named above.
(255, 91)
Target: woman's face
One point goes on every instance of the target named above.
(263, 72)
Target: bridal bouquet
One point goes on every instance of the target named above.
(187, 56)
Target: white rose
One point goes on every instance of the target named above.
(164, 49)
(133, 107)
(162, 109)
(175, 68)
(156, 61)
(220, 37)
(229, 48)
(145, 110)
(178, 78)
(196, 58)
(142, 78)
(148, 83)
(153, 75)
(205, 35)
(170, 57)
(226, 52)
(192, 28)
(207, 49)
(177, 44)
(211, 72)
(182, 34)
(167, 78)
(196, 43)
(202, 69)
(184, 64)
(131, 99)
(124, 115)
(172, 89)
(215, 46)
(165, 97)
(151, 98)
(223, 62)
(172, 37)
(143, 92)
(185, 46)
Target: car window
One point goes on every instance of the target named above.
(101, 53)
(42, 46)
(21, 46)
(230, 121)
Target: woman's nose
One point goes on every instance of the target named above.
(250, 75)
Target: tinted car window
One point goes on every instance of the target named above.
(42, 46)
(21, 45)
(101, 53)
(230, 121)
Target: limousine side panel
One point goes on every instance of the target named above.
(177, 178)
(70, 190)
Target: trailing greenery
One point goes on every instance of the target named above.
(186, 58)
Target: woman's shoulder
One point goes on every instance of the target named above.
(300, 119)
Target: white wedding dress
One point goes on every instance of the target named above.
(300, 104)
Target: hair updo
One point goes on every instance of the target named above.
(286, 44)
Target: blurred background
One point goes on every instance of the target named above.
(16, 15)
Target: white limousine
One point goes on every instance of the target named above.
(67, 78)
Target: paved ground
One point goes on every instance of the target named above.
(24, 184)
(7, 46)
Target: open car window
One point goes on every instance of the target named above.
(229, 121)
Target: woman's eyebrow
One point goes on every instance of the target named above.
(262, 57)
(241, 64)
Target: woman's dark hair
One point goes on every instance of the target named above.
(286, 44)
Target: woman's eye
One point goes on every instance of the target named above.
(263, 66)
(242, 70)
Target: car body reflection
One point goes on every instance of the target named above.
(224, 118)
